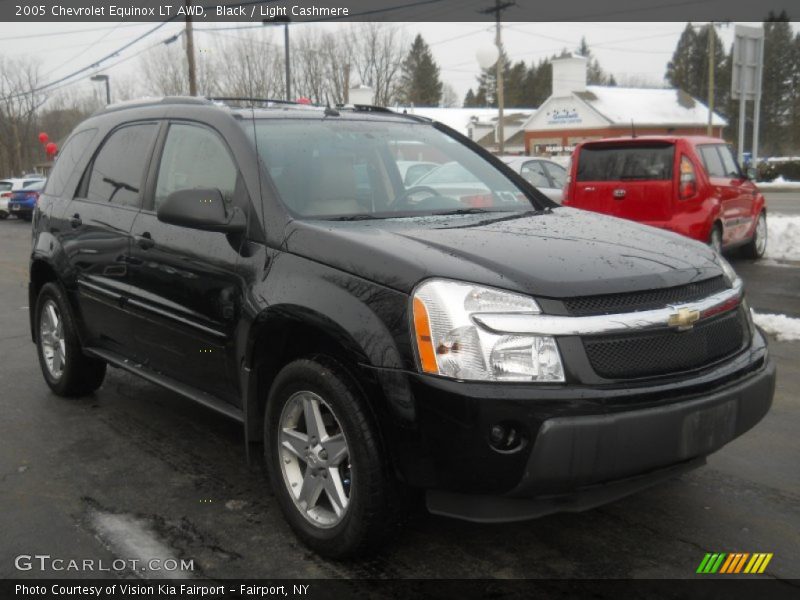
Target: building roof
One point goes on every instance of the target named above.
(645, 106)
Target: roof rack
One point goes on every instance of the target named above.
(150, 101)
(253, 100)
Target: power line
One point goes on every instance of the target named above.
(82, 70)
(8, 38)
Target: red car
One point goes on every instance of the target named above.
(689, 185)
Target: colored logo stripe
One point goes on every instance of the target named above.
(720, 562)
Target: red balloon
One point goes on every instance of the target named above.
(43, 137)
(51, 149)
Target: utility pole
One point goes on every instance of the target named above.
(190, 51)
(346, 95)
(497, 10)
(711, 69)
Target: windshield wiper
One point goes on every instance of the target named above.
(356, 217)
(462, 211)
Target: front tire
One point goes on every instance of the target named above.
(66, 369)
(324, 459)
(757, 246)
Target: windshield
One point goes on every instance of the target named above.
(344, 169)
(616, 162)
(5, 186)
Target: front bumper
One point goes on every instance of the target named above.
(585, 446)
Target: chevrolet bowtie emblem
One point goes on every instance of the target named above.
(684, 319)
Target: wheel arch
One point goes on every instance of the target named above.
(284, 333)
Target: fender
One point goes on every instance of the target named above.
(366, 321)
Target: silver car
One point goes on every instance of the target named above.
(545, 175)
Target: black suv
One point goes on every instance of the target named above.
(470, 338)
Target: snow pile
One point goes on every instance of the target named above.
(785, 329)
(783, 237)
(779, 181)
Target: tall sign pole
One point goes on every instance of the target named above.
(748, 64)
(711, 68)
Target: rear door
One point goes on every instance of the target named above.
(729, 185)
(632, 180)
(95, 232)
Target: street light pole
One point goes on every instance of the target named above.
(287, 61)
(286, 57)
(107, 81)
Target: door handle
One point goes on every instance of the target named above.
(144, 241)
(75, 221)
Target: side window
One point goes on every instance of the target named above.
(117, 173)
(557, 173)
(67, 160)
(533, 171)
(728, 162)
(194, 157)
(712, 161)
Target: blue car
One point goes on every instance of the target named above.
(22, 202)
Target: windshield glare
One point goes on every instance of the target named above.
(336, 168)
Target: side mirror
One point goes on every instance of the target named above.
(201, 208)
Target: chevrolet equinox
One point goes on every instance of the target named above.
(510, 357)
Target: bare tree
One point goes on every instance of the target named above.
(19, 103)
(248, 66)
(449, 96)
(377, 51)
(165, 72)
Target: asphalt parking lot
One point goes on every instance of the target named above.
(135, 470)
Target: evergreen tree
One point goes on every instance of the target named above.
(469, 99)
(777, 93)
(681, 69)
(487, 82)
(594, 72)
(419, 79)
(515, 92)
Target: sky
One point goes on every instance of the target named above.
(628, 50)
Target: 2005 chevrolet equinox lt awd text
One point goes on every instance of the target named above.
(510, 357)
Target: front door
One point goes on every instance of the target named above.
(185, 289)
(726, 179)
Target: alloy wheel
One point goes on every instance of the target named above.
(315, 459)
(51, 338)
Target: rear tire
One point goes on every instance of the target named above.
(757, 246)
(66, 369)
(331, 480)
(3, 215)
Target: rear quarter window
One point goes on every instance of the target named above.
(617, 163)
(69, 157)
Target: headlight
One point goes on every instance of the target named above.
(727, 271)
(451, 344)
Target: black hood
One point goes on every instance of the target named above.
(560, 254)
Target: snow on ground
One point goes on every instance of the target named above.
(132, 538)
(786, 329)
(783, 237)
(780, 182)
